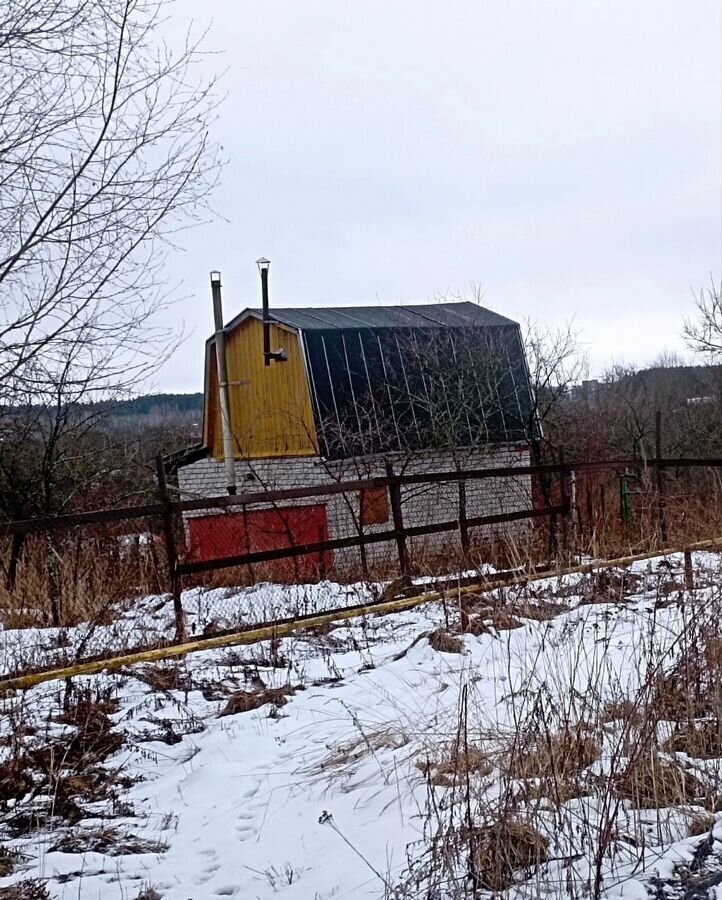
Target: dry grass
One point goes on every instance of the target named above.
(610, 586)
(108, 841)
(691, 689)
(8, 861)
(54, 774)
(453, 768)
(700, 823)
(245, 701)
(164, 678)
(558, 756)
(86, 705)
(149, 893)
(93, 742)
(96, 572)
(622, 710)
(444, 642)
(349, 754)
(504, 848)
(651, 782)
(16, 780)
(492, 620)
(701, 740)
(25, 890)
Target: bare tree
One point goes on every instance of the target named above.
(104, 155)
(556, 361)
(703, 333)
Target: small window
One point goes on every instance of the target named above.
(374, 506)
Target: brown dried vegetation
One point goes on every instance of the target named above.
(164, 678)
(25, 890)
(453, 768)
(558, 756)
(8, 860)
(503, 848)
(444, 642)
(651, 782)
(609, 586)
(54, 774)
(701, 740)
(108, 841)
(348, 754)
(245, 701)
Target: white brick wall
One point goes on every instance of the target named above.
(422, 504)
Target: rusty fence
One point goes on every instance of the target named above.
(91, 584)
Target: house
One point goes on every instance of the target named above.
(425, 388)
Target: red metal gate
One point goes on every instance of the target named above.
(232, 534)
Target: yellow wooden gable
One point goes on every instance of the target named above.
(270, 406)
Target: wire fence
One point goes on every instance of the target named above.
(90, 585)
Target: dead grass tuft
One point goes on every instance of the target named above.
(700, 740)
(15, 779)
(553, 790)
(503, 848)
(352, 752)
(610, 586)
(700, 823)
(541, 611)
(53, 773)
(621, 710)
(245, 701)
(25, 890)
(93, 742)
(149, 893)
(557, 756)
(87, 704)
(164, 678)
(452, 769)
(8, 861)
(487, 622)
(108, 841)
(444, 642)
(653, 783)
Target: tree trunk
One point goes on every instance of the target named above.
(16, 552)
(53, 580)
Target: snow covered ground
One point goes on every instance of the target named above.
(341, 788)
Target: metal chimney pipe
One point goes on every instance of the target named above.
(263, 266)
(220, 340)
(266, 317)
(268, 354)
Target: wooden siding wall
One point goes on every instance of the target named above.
(271, 410)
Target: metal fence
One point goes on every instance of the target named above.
(93, 584)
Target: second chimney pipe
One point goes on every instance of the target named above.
(220, 340)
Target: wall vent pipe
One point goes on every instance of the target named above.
(225, 407)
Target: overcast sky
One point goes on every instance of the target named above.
(563, 156)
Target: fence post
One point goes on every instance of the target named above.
(170, 549)
(574, 511)
(395, 497)
(591, 523)
(688, 571)
(463, 527)
(564, 496)
(661, 512)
